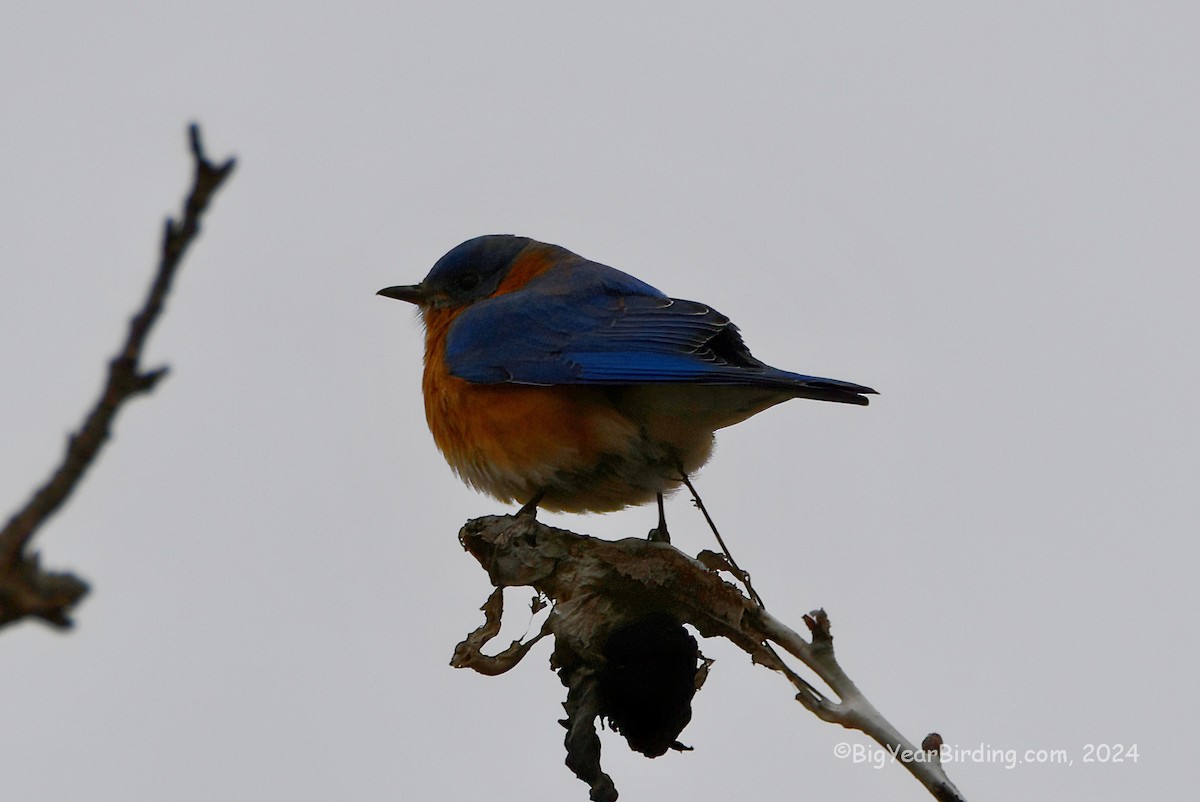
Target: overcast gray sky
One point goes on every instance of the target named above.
(988, 212)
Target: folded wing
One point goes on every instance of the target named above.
(602, 330)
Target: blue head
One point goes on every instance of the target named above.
(469, 272)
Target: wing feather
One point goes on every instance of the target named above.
(607, 332)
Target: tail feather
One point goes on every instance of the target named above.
(832, 390)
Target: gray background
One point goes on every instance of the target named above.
(989, 213)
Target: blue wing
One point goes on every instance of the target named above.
(597, 325)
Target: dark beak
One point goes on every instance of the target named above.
(413, 293)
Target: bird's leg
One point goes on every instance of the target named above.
(735, 569)
(530, 507)
(659, 534)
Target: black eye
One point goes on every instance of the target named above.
(467, 282)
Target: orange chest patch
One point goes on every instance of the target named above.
(510, 428)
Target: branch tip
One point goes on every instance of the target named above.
(146, 381)
(203, 165)
(194, 139)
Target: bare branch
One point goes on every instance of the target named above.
(599, 588)
(26, 590)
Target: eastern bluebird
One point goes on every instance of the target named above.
(555, 381)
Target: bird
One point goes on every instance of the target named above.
(560, 383)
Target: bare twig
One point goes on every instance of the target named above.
(854, 711)
(25, 589)
(598, 587)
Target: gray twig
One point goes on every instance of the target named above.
(25, 589)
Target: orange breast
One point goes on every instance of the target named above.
(513, 440)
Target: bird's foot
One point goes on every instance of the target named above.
(529, 509)
(659, 534)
